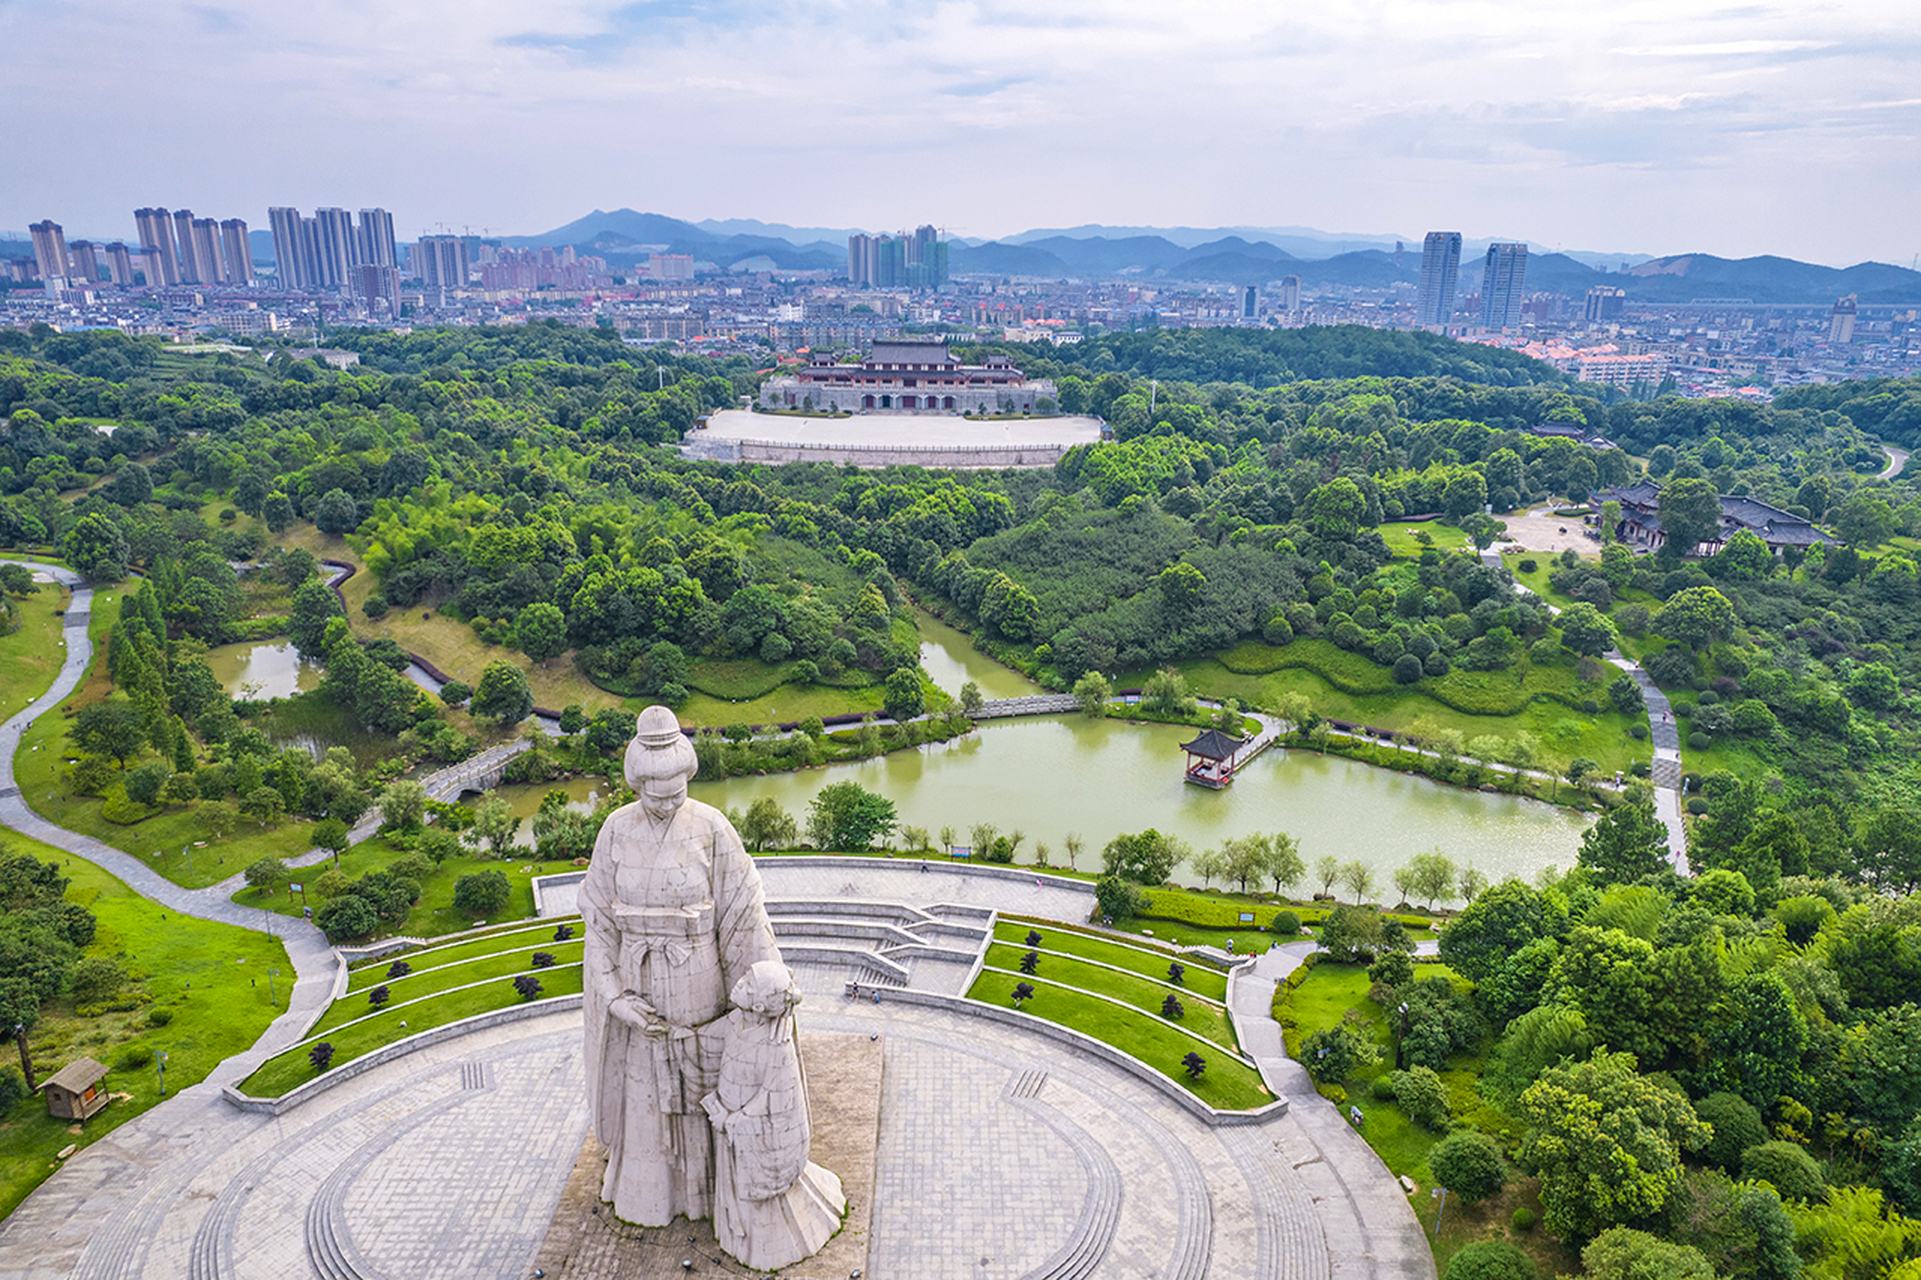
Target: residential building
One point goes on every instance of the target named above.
(1502, 279)
(49, 249)
(156, 246)
(1604, 304)
(1440, 269)
(441, 262)
(1290, 294)
(188, 269)
(338, 248)
(236, 252)
(86, 261)
(290, 267)
(1841, 321)
(376, 238)
(1250, 302)
(890, 263)
(120, 264)
(206, 251)
(375, 285)
(670, 266)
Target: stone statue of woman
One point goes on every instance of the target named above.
(772, 1206)
(673, 921)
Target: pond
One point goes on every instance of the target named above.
(269, 669)
(1051, 775)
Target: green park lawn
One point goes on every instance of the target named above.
(33, 653)
(212, 982)
(366, 974)
(1401, 540)
(1228, 1083)
(1146, 994)
(1149, 962)
(507, 962)
(397, 1021)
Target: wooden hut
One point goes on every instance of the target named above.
(74, 1092)
(1210, 758)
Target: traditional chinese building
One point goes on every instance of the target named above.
(1210, 758)
(1641, 521)
(909, 377)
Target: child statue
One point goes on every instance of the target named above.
(772, 1206)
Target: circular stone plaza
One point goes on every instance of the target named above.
(884, 439)
(995, 1146)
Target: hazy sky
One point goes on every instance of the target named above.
(1639, 125)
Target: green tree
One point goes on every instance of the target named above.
(264, 873)
(336, 512)
(113, 728)
(278, 512)
(1865, 519)
(1585, 631)
(846, 816)
(1490, 1260)
(1690, 514)
(1281, 860)
(347, 917)
(494, 826)
(1145, 857)
(1093, 692)
(1182, 586)
(971, 700)
(1495, 924)
(1358, 877)
(482, 893)
(264, 805)
(96, 549)
(403, 804)
(314, 604)
(1166, 693)
(1605, 1142)
(1468, 1163)
(331, 834)
(541, 631)
(1626, 842)
(1433, 876)
(502, 694)
(1743, 558)
(902, 696)
(1696, 617)
(1622, 1253)
(768, 826)
(1336, 509)
(1466, 493)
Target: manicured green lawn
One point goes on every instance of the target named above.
(213, 979)
(371, 973)
(1401, 541)
(1227, 1083)
(1149, 962)
(291, 1067)
(1199, 1016)
(32, 654)
(427, 982)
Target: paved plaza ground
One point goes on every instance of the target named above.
(1002, 1153)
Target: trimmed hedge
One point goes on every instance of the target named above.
(1474, 693)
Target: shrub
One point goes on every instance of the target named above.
(97, 979)
(346, 917)
(1422, 1096)
(455, 692)
(1529, 565)
(379, 995)
(1407, 669)
(1737, 1127)
(483, 893)
(543, 960)
(528, 986)
(1469, 1163)
(1638, 732)
(1172, 1007)
(134, 1057)
(1286, 923)
(399, 969)
(1622, 1253)
(1383, 1089)
(563, 933)
(1490, 1260)
(321, 1055)
(1788, 1168)
(13, 1088)
(1698, 741)
(1118, 898)
(159, 1017)
(1523, 1220)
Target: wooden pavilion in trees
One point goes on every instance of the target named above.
(74, 1092)
(1210, 758)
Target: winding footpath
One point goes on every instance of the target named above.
(1665, 769)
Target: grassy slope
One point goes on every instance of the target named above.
(1227, 1083)
(1321, 1001)
(213, 979)
(1145, 994)
(1401, 540)
(1149, 962)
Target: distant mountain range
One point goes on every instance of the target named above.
(1238, 255)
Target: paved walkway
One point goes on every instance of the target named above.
(1665, 769)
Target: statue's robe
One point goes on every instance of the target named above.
(673, 914)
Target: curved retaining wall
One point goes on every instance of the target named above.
(398, 1049)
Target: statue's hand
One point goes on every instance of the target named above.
(636, 1013)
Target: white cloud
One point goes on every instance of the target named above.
(1655, 124)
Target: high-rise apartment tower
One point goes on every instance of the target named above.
(1502, 279)
(49, 249)
(1440, 268)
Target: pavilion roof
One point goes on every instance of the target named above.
(77, 1076)
(1214, 745)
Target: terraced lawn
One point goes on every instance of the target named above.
(1201, 1017)
(1227, 1083)
(371, 973)
(1150, 962)
(427, 982)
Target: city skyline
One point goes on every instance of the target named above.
(1673, 128)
